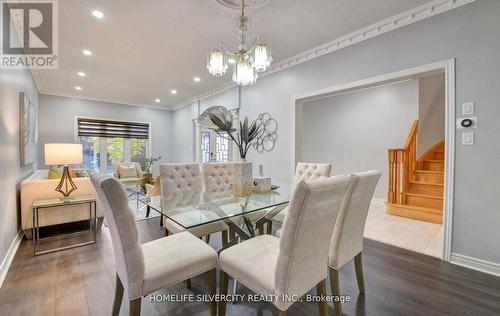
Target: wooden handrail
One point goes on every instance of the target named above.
(401, 162)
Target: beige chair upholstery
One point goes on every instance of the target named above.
(347, 238)
(128, 181)
(181, 186)
(306, 171)
(145, 268)
(153, 190)
(311, 171)
(218, 177)
(293, 264)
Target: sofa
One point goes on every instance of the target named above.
(38, 186)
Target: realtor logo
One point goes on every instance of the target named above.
(29, 34)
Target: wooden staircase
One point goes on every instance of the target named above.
(416, 187)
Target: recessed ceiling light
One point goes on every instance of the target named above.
(157, 100)
(197, 79)
(87, 52)
(78, 88)
(81, 74)
(173, 91)
(231, 61)
(98, 14)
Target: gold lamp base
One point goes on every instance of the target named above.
(66, 185)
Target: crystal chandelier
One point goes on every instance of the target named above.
(253, 55)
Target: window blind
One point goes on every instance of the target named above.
(106, 128)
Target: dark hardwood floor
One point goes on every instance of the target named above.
(80, 281)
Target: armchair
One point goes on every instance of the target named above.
(122, 172)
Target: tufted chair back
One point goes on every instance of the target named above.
(218, 176)
(347, 238)
(180, 183)
(129, 261)
(306, 234)
(311, 171)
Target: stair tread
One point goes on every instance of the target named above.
(434, 160)
(436, 197)
(426, 183)
(428, 171)
(420, 208)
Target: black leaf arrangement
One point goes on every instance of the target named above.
(243, 137)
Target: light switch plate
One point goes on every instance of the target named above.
(468, 139)
(468, 108)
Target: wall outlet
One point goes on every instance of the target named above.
(468, 108)
(468, 139)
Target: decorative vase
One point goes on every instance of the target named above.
(243, 181)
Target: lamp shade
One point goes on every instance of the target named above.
(63, 154)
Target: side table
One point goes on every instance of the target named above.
(45, 206)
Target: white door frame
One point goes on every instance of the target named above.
(449, 69)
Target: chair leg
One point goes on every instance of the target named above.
(282, 313)
(166, 232)
(334, 284)
(117, 302)
(269, 227)
(358, 265)
(224, 282)
(212, 291)
(224, 238)
(135, 307)
(188, 284)
(321, 292)
(232, 234)
(207, 239)
(261, 229)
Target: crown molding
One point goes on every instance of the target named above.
(105, 100)
(411, 16)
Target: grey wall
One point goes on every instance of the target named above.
(353, 131)
(12, 82)
(57, 121)
(470, 35)
(431, 112)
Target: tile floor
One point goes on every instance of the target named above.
(403, 232)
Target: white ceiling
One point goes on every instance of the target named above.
(144, 49)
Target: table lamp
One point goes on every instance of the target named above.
(64, 154)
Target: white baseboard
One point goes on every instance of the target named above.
(476, 264)
(9, 256)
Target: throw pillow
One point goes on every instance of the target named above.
(127, 172)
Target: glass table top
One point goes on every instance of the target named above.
(78, 199)
(198, 208)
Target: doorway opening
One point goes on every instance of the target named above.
(403, 125)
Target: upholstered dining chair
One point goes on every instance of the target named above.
(347, 238)
(304, 171)
(184, 180)
(289, 266)
(218, 181)
(143, 269)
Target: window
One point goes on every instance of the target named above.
(113, 141)
(205, 147)
(222, 148)
(91, 153)
(214, 147)
(115, 152)
(138, 149)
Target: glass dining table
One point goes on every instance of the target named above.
(244, 215)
